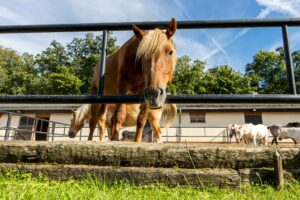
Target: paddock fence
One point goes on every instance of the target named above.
(148, 163)
(184, 98)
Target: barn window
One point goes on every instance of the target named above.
(196, 117)
(42, 127)
(253, 117)
(25, 127)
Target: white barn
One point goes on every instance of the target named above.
(194, 123)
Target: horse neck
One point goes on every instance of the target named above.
(129, 50)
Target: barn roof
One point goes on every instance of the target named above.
(205, 107)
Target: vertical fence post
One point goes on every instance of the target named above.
(80, 134)
(178, 135)
(288, 60)
(278, 169)
(102, 63)
(8, 123)
(53, 130)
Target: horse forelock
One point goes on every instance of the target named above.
(154, 41)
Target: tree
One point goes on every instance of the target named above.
(190, 78)
(56, 72)
(187, 77)
(17, 72)
(69, 70)
(268, 72)
(296, 65)
(224, 80)
(84, 54)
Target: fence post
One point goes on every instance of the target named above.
(102, 63)
(278, 169)
(288, 60)
(53, 130)
(80, 134)
(8, 123)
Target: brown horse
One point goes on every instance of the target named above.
(167, 115)
(143, 65)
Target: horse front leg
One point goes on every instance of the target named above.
(101, 125)
(141, 121)
(101, 121)
(93, 119)
(92, 123)
(117, 121)
(154, 117)
(254, 140)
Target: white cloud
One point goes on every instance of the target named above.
(285, 7)
(75, 11)
(289, 7)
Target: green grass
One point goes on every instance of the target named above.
(15, 185)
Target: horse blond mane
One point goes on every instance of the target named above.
(83, 112)
(152, 42)
(169, 113)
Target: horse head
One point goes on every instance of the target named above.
(76, 124)
(156, 54)
(230, 130)
(240, 133)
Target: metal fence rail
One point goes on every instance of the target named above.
(196, 24)
(186, 98)
(31, 127)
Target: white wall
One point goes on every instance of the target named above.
(281, 118)
(214, 128)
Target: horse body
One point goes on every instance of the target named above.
(254, 133)
(289, 133)
(276, 129)
(143, 65)
(166, 115)
(285, 132)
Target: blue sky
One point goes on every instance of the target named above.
(234, 47)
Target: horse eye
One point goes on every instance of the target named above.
(169, 53)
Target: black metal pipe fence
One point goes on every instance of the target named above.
(196, 24)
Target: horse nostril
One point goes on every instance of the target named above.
(146, 93)
(161, 91)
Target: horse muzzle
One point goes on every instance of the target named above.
(72, 133)
(155, 97)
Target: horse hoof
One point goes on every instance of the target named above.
(158, 140)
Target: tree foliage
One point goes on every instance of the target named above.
(56, 70)
(68, 70)
(191, 78)
(268, 71)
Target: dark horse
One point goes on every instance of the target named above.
(275, 130)
(144, 65)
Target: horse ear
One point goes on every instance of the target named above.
(138, 32)
(172, 28)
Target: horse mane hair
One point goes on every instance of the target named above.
(83, 112)
(152, 42)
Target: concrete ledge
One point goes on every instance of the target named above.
(148, 154)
